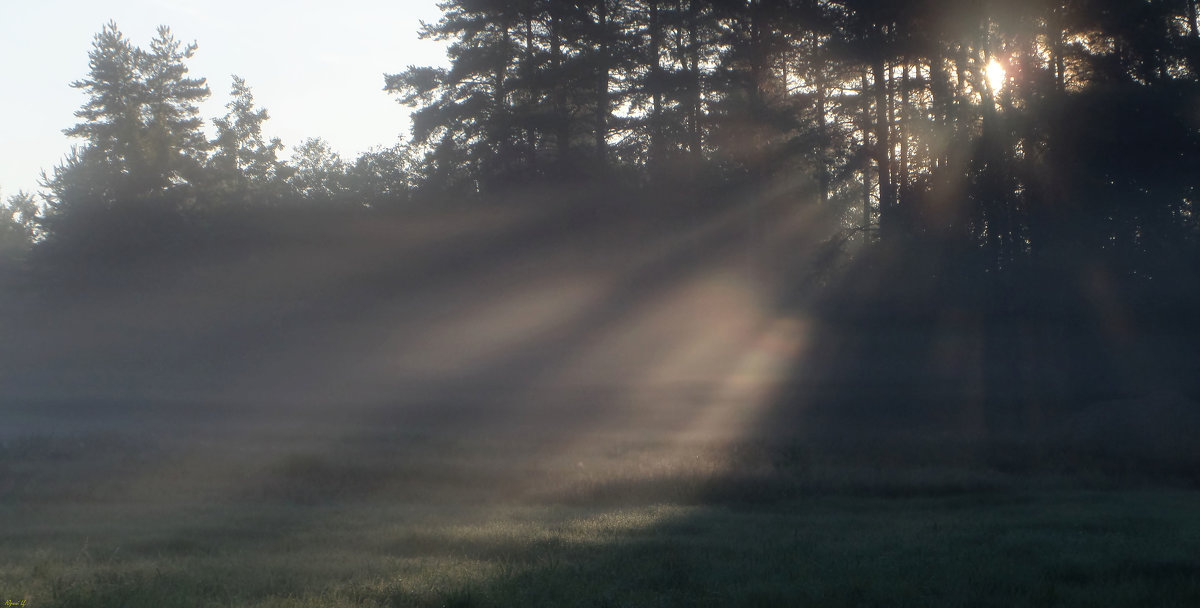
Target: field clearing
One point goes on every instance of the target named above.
(380, 517)
(520, 421)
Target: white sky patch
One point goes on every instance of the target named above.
(317, 67)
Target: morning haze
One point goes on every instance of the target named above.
(768, 302)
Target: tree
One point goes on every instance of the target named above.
(244, 164)
(112, 122)
(465, 121)
(18, 226)
(886, 106)
(320, 173)
(175, 141)
(141, 159)
(22, 210)
(382, 177)
(141, 130)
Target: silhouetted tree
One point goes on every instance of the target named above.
(466, 107)
(320, 173)
(885, 105)
(244, 165)
(112, 122)
(18, 228)
(383, 177)
(143, 148)
(174, 138)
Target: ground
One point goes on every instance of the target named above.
(181, 512)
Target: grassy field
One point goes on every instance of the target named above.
(488, 410)
(379, 517)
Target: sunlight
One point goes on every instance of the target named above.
(996, 75)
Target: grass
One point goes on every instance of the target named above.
(419, 519)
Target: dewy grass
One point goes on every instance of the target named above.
(452, 522)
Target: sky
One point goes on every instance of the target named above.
(316, 66)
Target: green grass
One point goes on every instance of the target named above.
(420, 520)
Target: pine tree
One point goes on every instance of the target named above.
(141, 129)
(467, 108)
(174, 137)
(112, 121)
(244, 164)
(141, 158)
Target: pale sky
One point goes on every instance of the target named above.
(316, 66)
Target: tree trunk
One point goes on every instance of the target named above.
(500, 135)
(865, 129)
(603, 74)
(562, 121)
(816, 77)
(530, 133)
(656, 113)
(1056, 51)
(904, 126)
(695, 137)
(822, 147)
(939, 86)
(883, 144)
(1192, 56)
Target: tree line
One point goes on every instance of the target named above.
(1008, 127)
(1004, 135)
(146, 169)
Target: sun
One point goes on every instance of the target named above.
(996, 75)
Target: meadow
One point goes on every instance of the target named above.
(171, 510)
